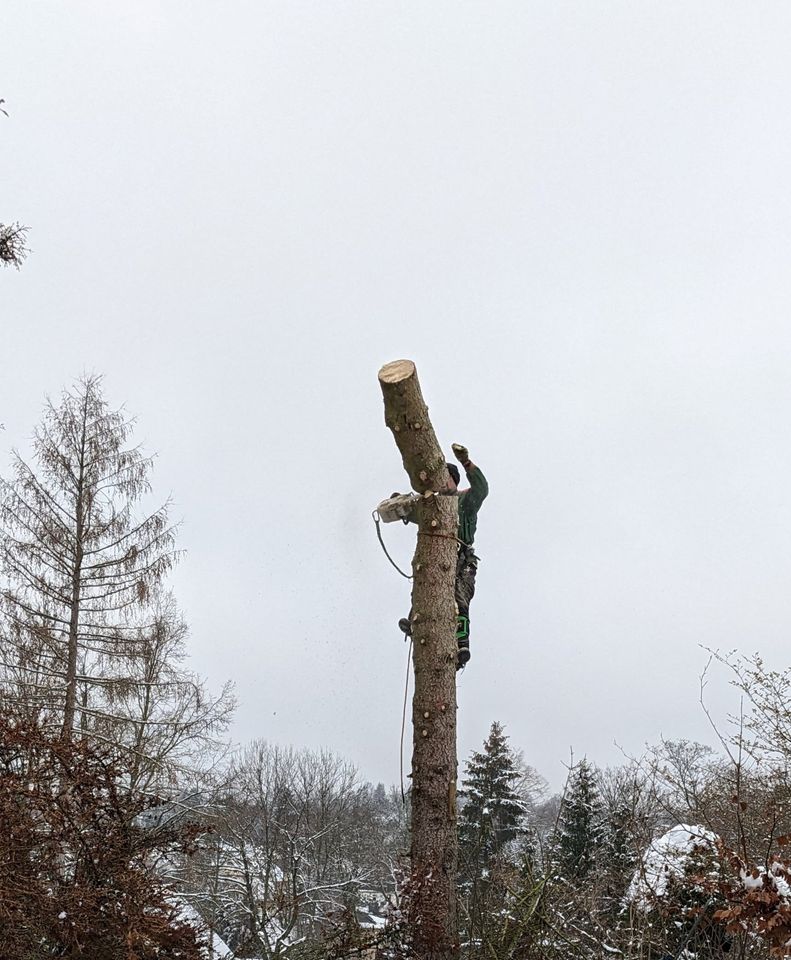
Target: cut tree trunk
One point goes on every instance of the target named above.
(432, 885)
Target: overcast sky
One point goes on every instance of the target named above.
(574, 217)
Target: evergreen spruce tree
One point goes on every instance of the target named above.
(492, 812)
(618, 846)
(492, 815)
(581, 828)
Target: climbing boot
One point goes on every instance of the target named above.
(463, 654)
(463, 641)
(405, 626)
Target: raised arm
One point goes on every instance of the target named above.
(479, 487)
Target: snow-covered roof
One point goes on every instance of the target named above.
(218, 948)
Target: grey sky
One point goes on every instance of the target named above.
(575, 218)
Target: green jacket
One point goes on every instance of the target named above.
(470, 503)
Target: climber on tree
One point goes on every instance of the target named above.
(470, 500)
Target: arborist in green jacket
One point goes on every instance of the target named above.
(470, 501)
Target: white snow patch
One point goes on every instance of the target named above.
(773, 878)
(667, 858)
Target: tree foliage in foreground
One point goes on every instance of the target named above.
(79, 873)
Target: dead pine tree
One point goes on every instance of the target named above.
(433, 854)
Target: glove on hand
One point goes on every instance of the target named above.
(462, 454)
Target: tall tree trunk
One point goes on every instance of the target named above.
(71, 659)
(76, 584)
(433, 917)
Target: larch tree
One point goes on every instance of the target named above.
(91, 640)
(163, 715)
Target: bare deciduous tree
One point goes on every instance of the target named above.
(284, 859)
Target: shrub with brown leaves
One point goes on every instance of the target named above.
(78, 873)
(758, 900)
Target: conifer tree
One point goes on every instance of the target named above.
(78, 563)
(618, 845)
(92, 642)
(493, 812)
(581, 822)
(492, 816)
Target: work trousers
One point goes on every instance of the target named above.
(466, 570)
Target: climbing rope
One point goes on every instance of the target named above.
(403, 723)
(444, 536)
(377, 521)
(406, 576)
(425, 533)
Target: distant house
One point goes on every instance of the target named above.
(218, 948)
(371, 910)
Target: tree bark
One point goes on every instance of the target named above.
(432, 886)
